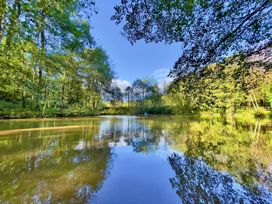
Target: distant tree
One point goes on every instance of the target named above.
(209, 30)
(155, 96)
(140, 89)
(128, 93)
(115, 95)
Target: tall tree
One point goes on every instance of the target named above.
(115, 95)
(128, 93)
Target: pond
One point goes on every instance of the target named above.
(127, 159)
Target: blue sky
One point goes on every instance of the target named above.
(131, 62)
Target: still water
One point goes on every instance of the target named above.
(127, 160)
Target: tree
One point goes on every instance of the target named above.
(209, 30)
(128, 93)
(224, 87)
(155, 97)
(140, 89)
(97, 75)
(48, 58)
(115, 95)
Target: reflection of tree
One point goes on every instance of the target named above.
(136, 132)
(239, 148)
(196, 182)
(66, 165)
(71, 165)
(52, 166)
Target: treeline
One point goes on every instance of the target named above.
(48, 60)
(143, 96)
(238, 83)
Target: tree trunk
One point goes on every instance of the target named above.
(42, 59)
(45, 97)
(62, 99)
(23, 100)
(43, 51)
(128, 99)
(254, 102)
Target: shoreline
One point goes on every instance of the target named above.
(245, 114)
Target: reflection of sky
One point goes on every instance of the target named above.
(135, 137)
(121, 123)
(137, 178)
(125, 124)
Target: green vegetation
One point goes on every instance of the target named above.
(207, 30)
(51, 67)
(143, 96)
(234, 86)
(48, 60)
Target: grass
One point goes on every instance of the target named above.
(9, 110)
(122, 110)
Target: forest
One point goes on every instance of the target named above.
(51, 65)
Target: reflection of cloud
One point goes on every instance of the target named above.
(161, 76)
(122, 84)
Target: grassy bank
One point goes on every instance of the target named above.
(123, 110)
(10, 110)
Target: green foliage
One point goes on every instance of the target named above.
(223, 88)
(268, 91)
(115, 95)
(144, 96)
(207, 30)
(48, 61)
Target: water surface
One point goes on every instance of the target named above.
(126, 159)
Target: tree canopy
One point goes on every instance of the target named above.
(208, 30)
(48, 57)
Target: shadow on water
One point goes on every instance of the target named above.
(196, 182)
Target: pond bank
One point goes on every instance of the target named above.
(240, 114)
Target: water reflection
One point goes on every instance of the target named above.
(52, 166)
(196, 182)
(131, 131)
(238, 149)
(84, 160)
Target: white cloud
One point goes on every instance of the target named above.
(122, 84)
(161, 76)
